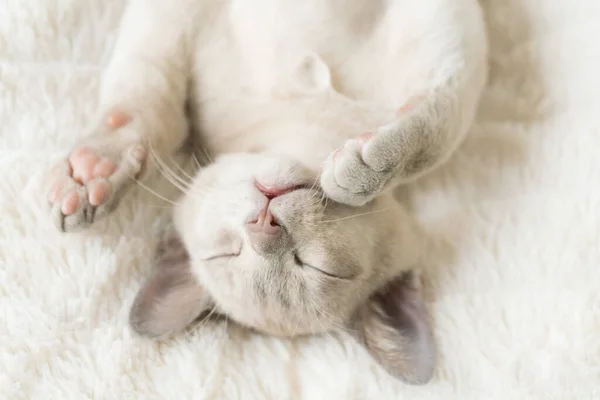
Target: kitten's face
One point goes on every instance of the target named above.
(255, 241)
(275, 255)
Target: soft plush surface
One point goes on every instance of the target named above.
(514, 268)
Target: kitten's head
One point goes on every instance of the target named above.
(255, 240)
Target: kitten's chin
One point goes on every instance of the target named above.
(282, 324)
(292, 330)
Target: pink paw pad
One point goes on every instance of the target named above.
(104, 168)
(86, 186)
(364, 137)
(57, 190)
(83, 161)
(70, 202)
(138, 153)
(87, 165)
(98, 192)
(117, 119)
(361, 139)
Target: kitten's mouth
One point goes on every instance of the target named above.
(266, 222)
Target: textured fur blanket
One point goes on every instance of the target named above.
(513, 283)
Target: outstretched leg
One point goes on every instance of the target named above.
(450, 68)
(141, 115)
(402, 150)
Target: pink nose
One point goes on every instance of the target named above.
(273, 191)
(265, 223)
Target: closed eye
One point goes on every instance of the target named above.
(302, 264)
(218, 256)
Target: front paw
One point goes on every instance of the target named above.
(347, 178)
(89, 184)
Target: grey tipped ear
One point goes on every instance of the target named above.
(171, 298)
(393, 326)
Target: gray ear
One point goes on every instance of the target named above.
(393, 326)
(171, 298)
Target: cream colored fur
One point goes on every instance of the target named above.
(301, 79)
(340, 101)
(520, 297)
(292, 93)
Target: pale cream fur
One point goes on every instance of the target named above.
(290, 82)
(512, 264)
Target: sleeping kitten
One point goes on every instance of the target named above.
(314, 111)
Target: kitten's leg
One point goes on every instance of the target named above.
(424, 135)
(141, 115)
(450, 66)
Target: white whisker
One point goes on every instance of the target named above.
(153, 191)
(200, 324)
(354, 216)
(299, 318)
(183, 171)
(325, 315)
(177, 181)
(317, 313)
(313, 187)
(167, 172)
(195, 159)
(207, 155)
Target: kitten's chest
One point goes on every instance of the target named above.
(279, 32)
(257, 45)
(247, 63)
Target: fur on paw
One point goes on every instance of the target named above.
(372, 162)
(89, 183)
(347, 178)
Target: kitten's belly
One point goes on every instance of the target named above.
(247, 92)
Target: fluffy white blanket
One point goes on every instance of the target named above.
(514, 279)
